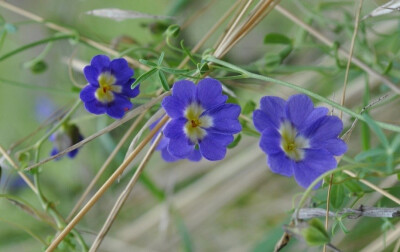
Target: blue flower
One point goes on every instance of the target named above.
(109, 89)
(195, 156)
(67, 136)
(298, 139)
(200, 118)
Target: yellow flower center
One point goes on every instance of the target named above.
(291, 143)
(107, 88)
(196, 124)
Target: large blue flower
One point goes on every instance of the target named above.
(65, 137)
(109, 88)
(163, 148)
(200, 118)
(298, 139)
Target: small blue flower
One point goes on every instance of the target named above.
(109, 89)
(195, 156)
(67, 136)
(200, 118)
(298, 139)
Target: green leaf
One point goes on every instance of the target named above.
(148, 63)
(377, 130)
(144, 77)
(337, 196)
(175, 71)
(277, 38)
(353, 187)
(343, 227)
(315, 234)
(235, 142)
(249, 107)
(163, 80)
(160, 60)
(183, 231)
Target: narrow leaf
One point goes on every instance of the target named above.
(163, 80)
(144, 77)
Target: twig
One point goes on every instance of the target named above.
(105, 186)
(124, 196)
(107, 129)
(362, 211)
(341, 51)
(105, 165)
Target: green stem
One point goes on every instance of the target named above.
(300, 89)
(36, 43)
(50, 209)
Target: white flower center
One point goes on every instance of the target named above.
(106, 88)
(292, 143)
(196, 124)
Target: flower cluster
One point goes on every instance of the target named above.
(200, 120)
(298, 139)
(109, 89)
(65, 137)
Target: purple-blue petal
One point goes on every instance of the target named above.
(316, 114)
(87, 94)
(279, 163)
(225, 119)
(298, 108)
(184, 91)
(270, 114)
(91, 74)
(117, 108)
(326, 127)
(73, 153)
(335, 146)
(127, 91)
(167, 156)
(195, 156)
(213, 146)
(209, 93)
(174, 128)
(180, 147)
(173, 106)
(95, 107)
(121, 70)
(315, 163)
(101, 63)
(270, 141)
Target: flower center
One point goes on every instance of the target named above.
(107, 88)
(196, 123)
(292, 143)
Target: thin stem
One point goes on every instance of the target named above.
(124, 196)
(36, 43)
(300, 89)
(105, 165)
(105, 186)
